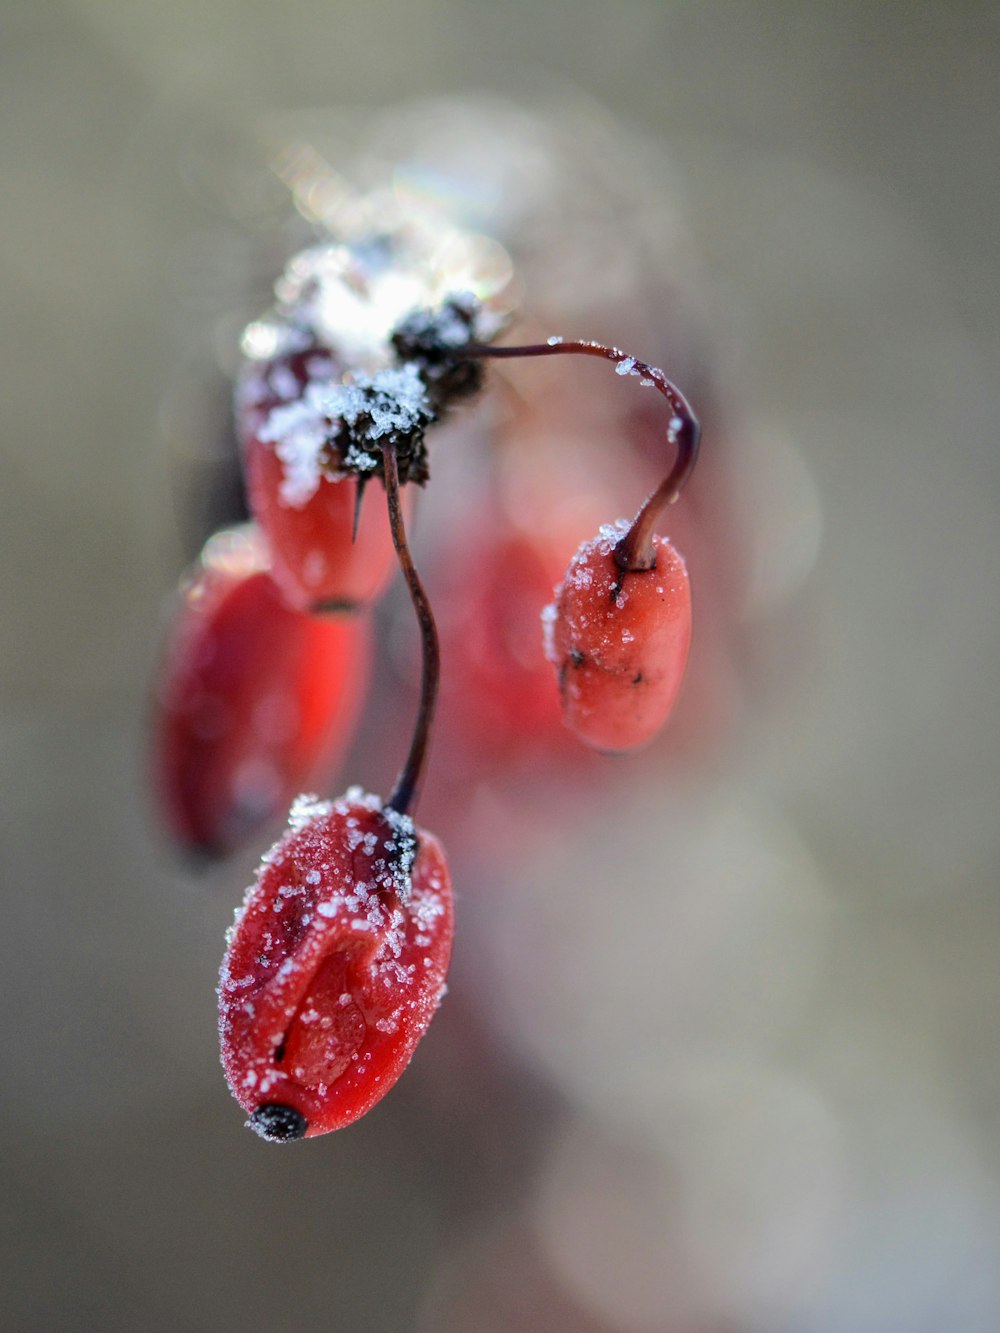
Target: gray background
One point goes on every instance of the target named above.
(817, 1149)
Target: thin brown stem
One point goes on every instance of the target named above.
(407, 786)
(635, 550)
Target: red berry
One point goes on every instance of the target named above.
(255, 698)
(496, 695)
(335, 967)
(317, 560)
(305, 507)
(619, 643)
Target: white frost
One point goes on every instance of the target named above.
(394, 400)
(549, 614)
(305, 809)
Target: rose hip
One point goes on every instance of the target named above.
(335, 966)
(496, 696)
(619, 641)
(318, 560)
(254, 697)
(305, 507)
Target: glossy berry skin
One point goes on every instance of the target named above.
(335, 967)
(619, 656)
(316, 558)
(496, 696)
(255, 699)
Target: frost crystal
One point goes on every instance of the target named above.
(402, 848)
(299, 433)
(267, 338)
(394, 400)
(305, 809)
(606, 540)
(549, 614)
(370, 407)
(457, 321)
(352, 296)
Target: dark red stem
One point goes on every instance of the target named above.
(407, 786)
(635, 550)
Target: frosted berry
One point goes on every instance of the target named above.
(362, 349)
(325, 550)
(254, 697)
(619, 642)
(335, 966)
(318, 558)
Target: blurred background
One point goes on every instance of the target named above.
(720, 1050)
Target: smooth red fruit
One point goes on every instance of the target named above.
(335, 966)
(316, 557)
(619, 658)
(496, 695)
(255, 699)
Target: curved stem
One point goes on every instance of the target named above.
(407, 786)
(635, 550)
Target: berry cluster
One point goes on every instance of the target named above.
(337, 958)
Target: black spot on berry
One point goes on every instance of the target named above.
(638, 678)
(278, 1123)
(576, 657)
(335, 606)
